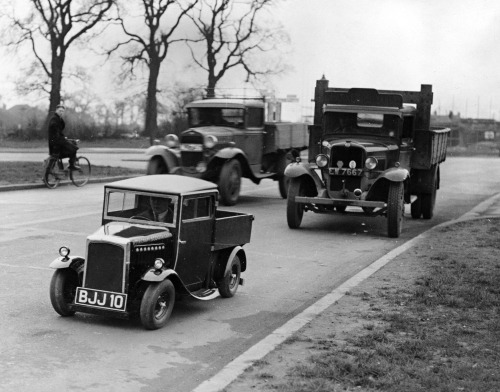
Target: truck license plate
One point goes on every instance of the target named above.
(101, 299)
(335, 171)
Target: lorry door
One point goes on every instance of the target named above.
(195, 239)
(254, 135)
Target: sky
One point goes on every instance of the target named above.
(383, 44)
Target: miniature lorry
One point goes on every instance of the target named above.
(228, 139)
(370, 151)
(160, 235)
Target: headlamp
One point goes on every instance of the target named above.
(371, 163)
(172, 140)
(210, 141)
(321, 160)
(64, 251)
(159, 263)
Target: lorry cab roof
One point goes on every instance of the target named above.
(239, 103)
(161, 183)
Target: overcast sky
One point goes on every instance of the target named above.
(384, 44)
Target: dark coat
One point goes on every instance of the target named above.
(58, 144)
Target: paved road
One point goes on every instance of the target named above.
(288, 270)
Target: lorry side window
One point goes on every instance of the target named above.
(255, 117)
(197, 208)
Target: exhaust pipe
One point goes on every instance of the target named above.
(357, 192)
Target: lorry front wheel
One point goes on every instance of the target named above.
(229, 284)
(294, 211)
(156, 165)
(63, 289)
(157, 304)
(395, 208)
(230, 182)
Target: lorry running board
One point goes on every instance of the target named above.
(205, 294)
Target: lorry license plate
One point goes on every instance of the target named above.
(335, 171)
(101, 299)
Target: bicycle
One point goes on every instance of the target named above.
(54, 170)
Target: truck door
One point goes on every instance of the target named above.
(254, 135)
(195, 240)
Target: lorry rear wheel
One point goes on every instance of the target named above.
(294, 211)
(416, 208)
(395, 206)
(157, 304)
(428, 200)
(230, 182)
(63, 289)
(157, 166)
(229, 284)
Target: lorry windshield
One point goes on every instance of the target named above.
(232, 117)
(128, 206)
(376, 124)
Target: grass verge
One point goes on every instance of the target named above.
(428, 322)
(14, 173)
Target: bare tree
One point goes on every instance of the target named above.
(232, 37)
(151, 48)
(56, 25)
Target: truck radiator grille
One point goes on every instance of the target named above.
(195, 138)
(104, 267)
(190, 159)
(347, 154)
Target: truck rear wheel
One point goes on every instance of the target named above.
(294, 211)
(230, 182)
(428, 200)
(229, 284)
(416, 208)
(157, 304)
(395, 207)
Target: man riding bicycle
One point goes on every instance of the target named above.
(58, 143)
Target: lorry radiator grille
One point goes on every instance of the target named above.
(190, 159)
(104, 267)
(192, 138)
(347, 154)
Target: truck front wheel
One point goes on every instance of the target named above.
(157, 304)
(229, 284)
(156, 165)
(294, 210)
(63, 289)
(395, 208)
(230, 182)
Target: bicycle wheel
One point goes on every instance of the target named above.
(50, 177)
(81, 176)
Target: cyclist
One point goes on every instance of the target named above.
(58, 143)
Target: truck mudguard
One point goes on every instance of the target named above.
(295, 169)
(169, 156)
(395, 174)
(229, 152)
(65, 262)
(237, 250)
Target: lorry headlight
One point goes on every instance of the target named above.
(64, 251)
(159, 263)
(210, 141)
(321, 160)
(201, 167)
(171, 140)
(371, 163)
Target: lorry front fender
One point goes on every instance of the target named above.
(153, 275)
(229, 153)
(169, 156)
(66, 262)
(298, 169)
(395, 174)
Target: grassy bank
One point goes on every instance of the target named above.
(13, 173)
(428, 322)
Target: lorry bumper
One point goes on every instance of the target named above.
(339, 202)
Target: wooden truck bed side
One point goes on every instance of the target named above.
(285, 136)
(430, 147)
(231, 229)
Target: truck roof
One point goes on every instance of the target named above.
(238, 103)
(164, 183)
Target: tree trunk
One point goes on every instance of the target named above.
(55, 91)
(151, 123)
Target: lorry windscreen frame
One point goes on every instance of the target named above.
(343, 123)
(228, 117)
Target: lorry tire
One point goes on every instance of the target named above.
(63, 289)
(284, 181)
(416, 208)
(283, 184)
(229, 284)
(156, 165)
(294, 211)
(395, 206)
(230, 182)
(428, 200)
(157, 304)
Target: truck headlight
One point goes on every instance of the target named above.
(64, 251)
(172, 140)
(210, 141)
(371, 163)
(321, 160)
(159, 263)
(201, 167)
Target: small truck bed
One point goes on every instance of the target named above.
(231, 229)
(430, 147)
